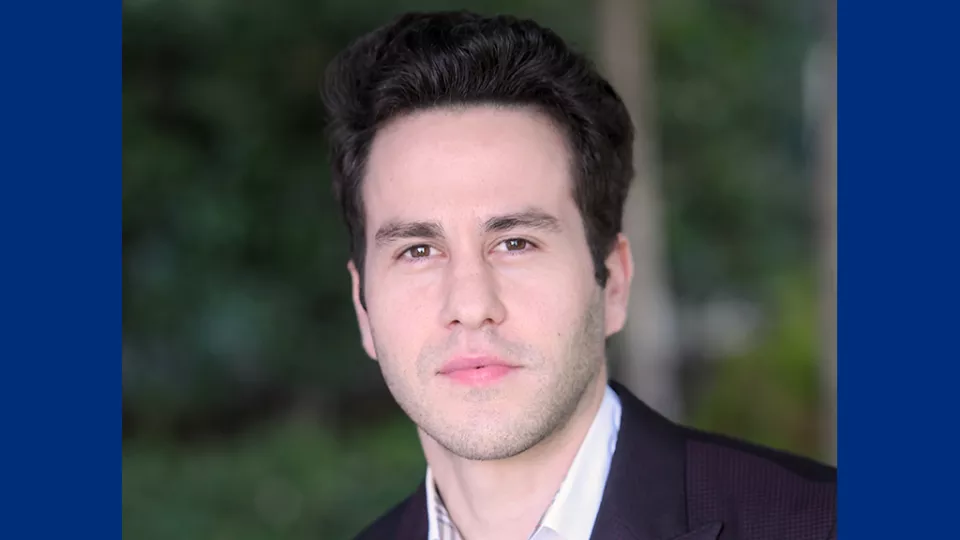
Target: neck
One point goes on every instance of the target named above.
(505, 499)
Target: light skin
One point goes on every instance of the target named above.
(475, 246)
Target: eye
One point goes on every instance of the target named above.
(418, 252)
(515, 245)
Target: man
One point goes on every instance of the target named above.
(482, 168)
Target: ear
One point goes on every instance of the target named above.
(363, 320)
(617, 291)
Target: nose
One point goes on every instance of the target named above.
(472, 295)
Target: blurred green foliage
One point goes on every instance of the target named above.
(770, 393)
(235, 294)
(288, 481)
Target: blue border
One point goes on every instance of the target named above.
(61, 272)
(898, 292)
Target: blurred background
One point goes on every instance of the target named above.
(250, 410)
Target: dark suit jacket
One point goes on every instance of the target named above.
(669, 482)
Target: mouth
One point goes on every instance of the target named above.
(476, 371)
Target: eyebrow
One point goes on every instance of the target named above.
(394, 230)
(531, 218)
(429, 230)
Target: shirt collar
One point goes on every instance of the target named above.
(572, 514)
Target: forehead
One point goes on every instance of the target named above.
(450, 163)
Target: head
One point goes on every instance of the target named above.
(482, 168)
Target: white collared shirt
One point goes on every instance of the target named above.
(573, 511)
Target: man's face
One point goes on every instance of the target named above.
(477, 256)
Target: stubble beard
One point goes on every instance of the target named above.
(502, 423)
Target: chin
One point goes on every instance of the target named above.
(486, 446)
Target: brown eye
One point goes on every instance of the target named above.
(419, 252)
(516, 244)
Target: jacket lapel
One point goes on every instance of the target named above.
(413, 520)
(645, 495)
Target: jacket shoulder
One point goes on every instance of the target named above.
(406, 520)
(757, 491)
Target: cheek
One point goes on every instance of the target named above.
(400, 316)
(546, 304)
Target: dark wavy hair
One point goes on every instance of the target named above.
(451, 59)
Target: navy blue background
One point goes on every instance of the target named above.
(60, 268)
(898, 270)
